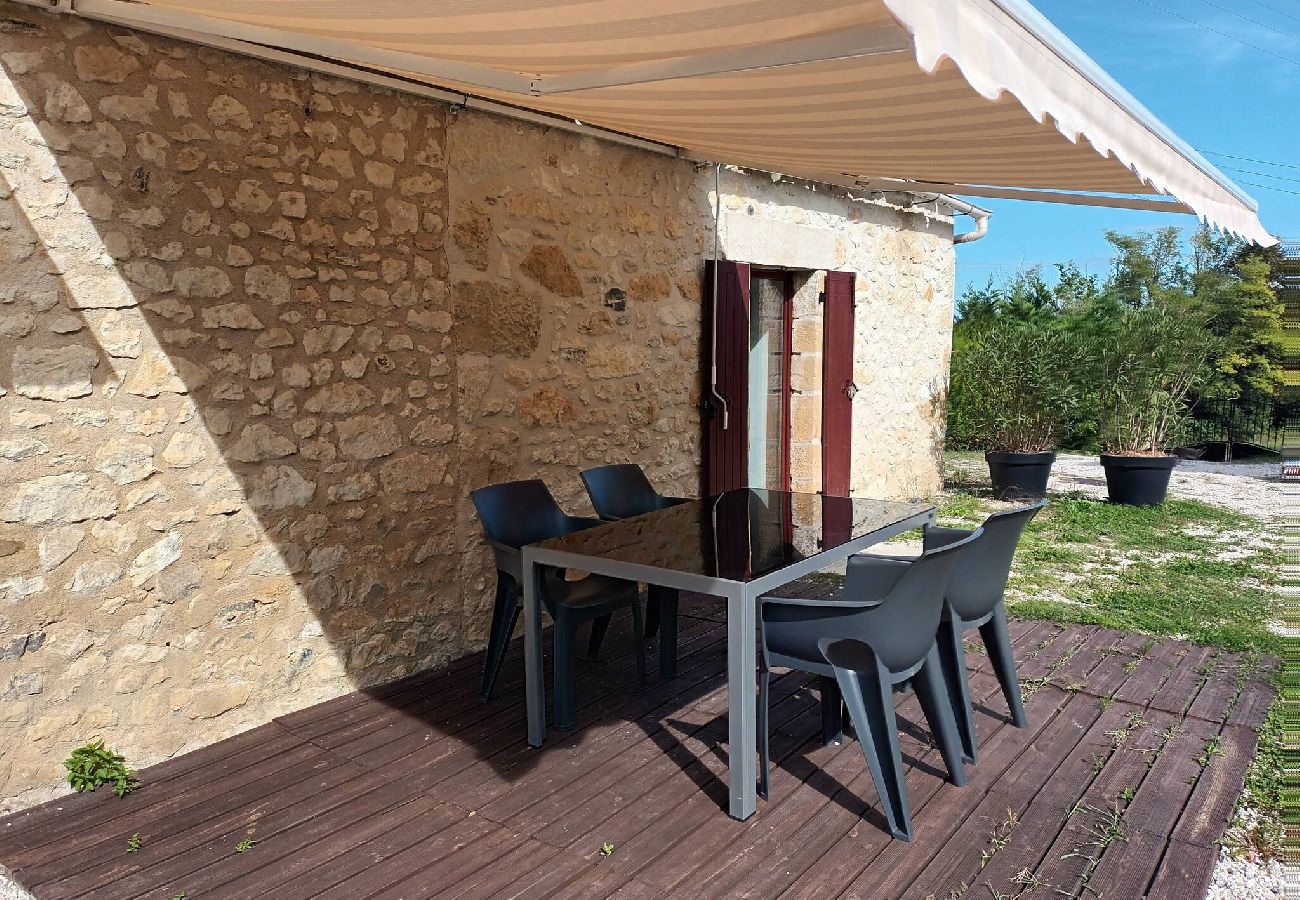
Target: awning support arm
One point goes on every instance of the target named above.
(973, 190)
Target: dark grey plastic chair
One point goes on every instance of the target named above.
(976, 599)
(519, 513)
(622, 491)
(874, 638)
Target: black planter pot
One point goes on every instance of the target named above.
(1019, 476)
(1138, 480)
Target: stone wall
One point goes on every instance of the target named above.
(582, 260)
(261, 332)
(229, 392)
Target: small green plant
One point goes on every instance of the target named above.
(999, 837)
(606, 849)
(181, 896)
(1212, 749)
(133, 843)
(93, 764)
(245, 845)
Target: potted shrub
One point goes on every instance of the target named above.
(1014, 388)
(1149, 363)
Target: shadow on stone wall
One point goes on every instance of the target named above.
(235, 439)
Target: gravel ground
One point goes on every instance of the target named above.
(1251, 488)
(1241, 879)
(10, 889)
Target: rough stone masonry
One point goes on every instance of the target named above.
(262, 331)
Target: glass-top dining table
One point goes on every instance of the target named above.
(737, 546)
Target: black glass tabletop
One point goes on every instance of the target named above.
(741, 535)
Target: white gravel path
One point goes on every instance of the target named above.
(10, 889)
(1251, 488)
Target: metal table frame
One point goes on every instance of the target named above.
(742, 620)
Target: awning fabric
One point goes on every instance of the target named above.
(962, 94)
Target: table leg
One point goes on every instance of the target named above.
(668, 601)
(742, 669)
(534, 670)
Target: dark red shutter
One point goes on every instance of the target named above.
(837, 383)
(726, 449)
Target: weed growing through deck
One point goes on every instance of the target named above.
(999, 837)
(606, 849)
(93, 764)
(1251, 833)
(1106, 830)
(1212, 749)
(133, 843)
(1026, 881)
(245, 845)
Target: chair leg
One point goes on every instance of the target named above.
(832, 711)
(870, 702)
(598, 629)
(764, 750)
(998, 644)
(565, 635)
(663, 602)
(653, 599)
(930, 689)
(505, 614)
(952, 659)
(638, 637)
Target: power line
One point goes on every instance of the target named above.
(1232, 12)
(1225, 34)
(1262, 162)
(1262, 174)
(1268, 187)
(1280, 12)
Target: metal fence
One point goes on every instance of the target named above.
(1268, 425)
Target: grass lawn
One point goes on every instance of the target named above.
(1184, 569)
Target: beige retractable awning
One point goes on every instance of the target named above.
(979, 97)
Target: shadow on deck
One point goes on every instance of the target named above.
(1120, 787)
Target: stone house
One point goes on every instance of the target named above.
(262, 329)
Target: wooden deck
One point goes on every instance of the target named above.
(1119, 788)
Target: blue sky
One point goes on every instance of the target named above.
(1217, 94)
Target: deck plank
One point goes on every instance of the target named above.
(416, 789)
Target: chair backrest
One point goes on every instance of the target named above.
(518, 513)
(620, 491)
(980, 577)
(901, 627)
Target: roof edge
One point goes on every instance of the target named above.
(1055, 39)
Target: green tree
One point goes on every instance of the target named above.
(1219, 283)
(1234, 283)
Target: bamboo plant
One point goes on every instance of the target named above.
(1015, 386)
(1148, 366)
